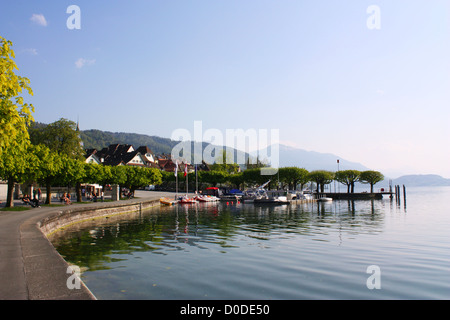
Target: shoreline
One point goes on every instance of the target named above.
(30, 267)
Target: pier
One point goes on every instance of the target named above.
(354, 196)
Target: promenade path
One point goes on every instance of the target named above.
(30, 267)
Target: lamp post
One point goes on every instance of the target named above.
(339, 185)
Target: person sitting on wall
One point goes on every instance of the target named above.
(26, 199)
(65, 198)
(32, 202)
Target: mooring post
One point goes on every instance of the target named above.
(404, 194)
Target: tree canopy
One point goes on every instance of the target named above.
(15, 117)
(371, 177)
(61, 136)
(321, 178)
(349, 178)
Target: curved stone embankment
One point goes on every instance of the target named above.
(70, 216)
(47, 275)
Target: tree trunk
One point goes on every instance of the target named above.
(78, 191)
(10, 195)
(49, 194)
(371, 188)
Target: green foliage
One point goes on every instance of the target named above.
(213, 177)
(224, 163)
(96, 139)
(371, 177)
(293, 176)
(236, 179)
(138, 177)
(348, 177)
(60, 136)
(103, 175)
(321, 178)
(254, 177)
(15, 116)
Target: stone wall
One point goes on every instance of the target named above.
(70, 216)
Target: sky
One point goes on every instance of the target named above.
(368, 81)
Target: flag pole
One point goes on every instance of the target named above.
(196, 179)
(187, 180)
(176, 179)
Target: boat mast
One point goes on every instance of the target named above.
(176, 180)
(187, 180)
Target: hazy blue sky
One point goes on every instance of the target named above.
(312, 69)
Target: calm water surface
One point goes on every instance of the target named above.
(244, 251)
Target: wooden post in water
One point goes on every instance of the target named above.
(404, 195)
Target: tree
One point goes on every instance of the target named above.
(348, 177)
(292, 176)
(236, 179)
(253, 176)
(371, 177)
(138, 177)
(214, 177)
(72, 174)
(48, 166)
(321, 178)
(15, 117)
(61, 136)
(226, 163)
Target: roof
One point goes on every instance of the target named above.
(117, 154)
(144, 150)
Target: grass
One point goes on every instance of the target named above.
(15, 209)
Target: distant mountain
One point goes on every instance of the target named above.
(97, 139)
(288, 156)
(422, 180)
(312, 160)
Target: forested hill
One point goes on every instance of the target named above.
(96, 139)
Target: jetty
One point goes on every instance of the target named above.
(354, 196)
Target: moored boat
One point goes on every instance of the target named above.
(167, 201)
(206, 198)
(186, 200)
(272, 197)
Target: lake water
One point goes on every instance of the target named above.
(308, 251)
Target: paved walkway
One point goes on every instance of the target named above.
(30, 267)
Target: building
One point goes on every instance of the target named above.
(122, 154)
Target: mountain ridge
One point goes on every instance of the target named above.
(422, 180)
(288, 156)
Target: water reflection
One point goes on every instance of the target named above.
(97, 244)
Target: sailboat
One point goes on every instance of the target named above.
(167, 201)
(186, 199)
